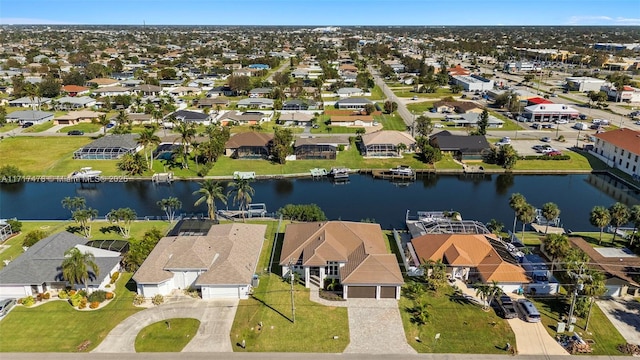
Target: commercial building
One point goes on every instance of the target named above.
(473, 82)
(548, 113)
(584, 83)
(619, 149)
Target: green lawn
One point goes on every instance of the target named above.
(463, 327)
(377, 94)
(391, 122)
(39, 128)
(170, 335)
(578, 161)
(420, 107)
(440, 93)
(8, 127)
(271, 306)
(605, 335)
(447, 163)
(86, 127)
(57, 327)
(509, 125)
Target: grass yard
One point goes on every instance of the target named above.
(605, 335)
(440, 93)
(271, 306)
(463, 326)
(159, 337)
(40, 127)
(420, 107)
(8, 127)
(509, 125)
(86, 127)
(57, 327)
(578, 161)
(377, 94)
(447, 163)
(391, 122)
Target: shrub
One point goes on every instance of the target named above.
(10, 174)
(114, 277)
(98, 296)
(28, 301)
(83, 303)
(63, 294)
(302, 212)
(16, 225)
(94, 305)
(39, 297)
(138, 300)
(72, 292)
(109, 296)
(46, 296)
(157, 299)
(75, 299)
(33, 237)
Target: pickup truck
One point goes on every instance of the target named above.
(506, 308)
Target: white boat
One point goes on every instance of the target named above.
(85, 174)
(403, 170)
(339, 173)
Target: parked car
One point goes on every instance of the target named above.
(504, 141)
(415, 97)
(110, 125)
(75, 132)
(538, 148)
(438, 125)
(545, 139)
(637, 122)
(554, 153)
(27, 124)
(582, 117)
(562, 121)
(506, 308)
(595, 126)
(6, 305)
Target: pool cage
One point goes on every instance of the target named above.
(101, 153)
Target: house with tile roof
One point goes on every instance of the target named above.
(352, 253)
(38, 270)
(384, 143)
(249, 145)
(218, 260)
(75, 90)
(471, 257)
(619, 149)
(74, 117)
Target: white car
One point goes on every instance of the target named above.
(562, 121)
(438, 125)
(504, 141)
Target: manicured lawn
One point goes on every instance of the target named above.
(391, 122)
(463, 327)
(447, 163)
(420, 107)
(578, 161)
(605, 335)
(39, 128)
(159, 337)
(86, 127)
(377, 94)
(8, 127)
(271, 306)
(57, 327)
(509, 125)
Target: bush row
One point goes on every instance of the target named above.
(546, 157)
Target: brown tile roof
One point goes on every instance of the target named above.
(360, 245)
(388, 137)
(102, 81)
(624, 138)
(80, 114)
(74, 88)
(251, 138)
(621, 267)
(473, 250)
(227, 254)
(351, 118)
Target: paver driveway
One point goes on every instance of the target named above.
(216, 318)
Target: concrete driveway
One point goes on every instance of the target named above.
(624, 314)
(533, 339)
(216, 318)
(375, 327)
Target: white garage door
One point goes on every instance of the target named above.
(218, 292)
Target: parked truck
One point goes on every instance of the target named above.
(580, 126)
(506, 308)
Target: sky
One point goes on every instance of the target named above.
(321, 12)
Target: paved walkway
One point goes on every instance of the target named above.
(216, 317)
(375, 326)
(624, 314)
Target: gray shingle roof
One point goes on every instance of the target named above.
(126, 141)
(29, 115)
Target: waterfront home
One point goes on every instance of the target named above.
(218, 260)
(249, 145)
(386, 143)
(38, 269)
(619, 149)
(109, 147)
(471, 258)
(462, 147)
(351, 253)
(324, 147)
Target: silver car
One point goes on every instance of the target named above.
(6, 305)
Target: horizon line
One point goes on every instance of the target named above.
(325, 25)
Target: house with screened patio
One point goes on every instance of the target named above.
(387, 143)
(109, 147)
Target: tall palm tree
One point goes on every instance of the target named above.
(169, 206)
(619, 216)
(516, 201)
(75, 267)
(526, 215)
(556, 245)
(83, 217)
(599, 217)
(593, 287)
(243, 192)
(73, 203)
(148, 138)
(635, 220)
(550, 211)
(104, 121)
(187, 132)
(210, 191)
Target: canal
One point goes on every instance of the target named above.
(477, 197)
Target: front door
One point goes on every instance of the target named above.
(314, 271)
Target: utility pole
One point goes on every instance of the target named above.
(578, 286)
(293, 306)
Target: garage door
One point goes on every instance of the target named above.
(361, 292)
(388, 292)
(219, 292)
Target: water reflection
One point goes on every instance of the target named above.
(503, 183)
(615, 188)
(283, 186)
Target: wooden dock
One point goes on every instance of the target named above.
(540, 229)
(386, 174)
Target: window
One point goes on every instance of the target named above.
(622, 152)
(331, 268)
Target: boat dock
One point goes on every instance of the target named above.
(162, 178)
(318, 172)
(386, 174)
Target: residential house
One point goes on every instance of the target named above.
(351, 120)
(218, 260)
(262, 92)
(619, 265)
(102, 82)
(249, 145)
(75, 117)
(353, 253)
(29, 102)
(244, 118)
(548, 113)
(255, 103)
(619, 149)
(299, 104)
(347, 92)
(471, 258)
(32, 116)
(352, 103)
(471, 120)
(324, 147)
(74, 102)
(191, 116)
(184, 91)
(385, 143)
(542, 280)
(259, 66)
(38, 269)
(131, 83)
(113, 91)
(210, 103)
(109, 147)
(461, 107)
(295, 118)
(221, 91)
(74, 90)
(462, 147)
(147, 90)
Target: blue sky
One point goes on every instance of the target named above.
(321, 12)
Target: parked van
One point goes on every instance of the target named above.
(529, 310)
(580, 126)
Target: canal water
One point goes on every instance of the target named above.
(476, 197)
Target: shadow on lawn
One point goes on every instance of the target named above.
(272, 308)
(110, 229)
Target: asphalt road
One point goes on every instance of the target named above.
(402, 109)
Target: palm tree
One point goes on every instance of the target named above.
(593, 287)
(401, 147)
(147, 138)
(495, 226)
(104, 121)
(635, 220)
(83, 217)
(516, 201)
(210, 191)
(526, 215)
(599, 217)
(550, 211)
(619, 216)
(75, 264)
(169, 206)
(122, 217)
(243, 192)
(73, 203)
(556, 245)
(187, 132)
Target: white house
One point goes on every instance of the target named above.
(619, 149)
(218, 260)
(38, 270)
